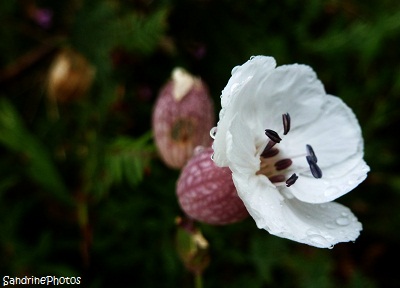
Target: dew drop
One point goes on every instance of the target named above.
(344, 214)
(198, 150)
(330, 225)
(312, 232)
(342, 221)
(213, 132)
(252, 57)
(234, 70)
(318, 239)
(356, 178)
(331, 190)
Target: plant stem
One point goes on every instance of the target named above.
(198, 280)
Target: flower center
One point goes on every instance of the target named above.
(278, 169)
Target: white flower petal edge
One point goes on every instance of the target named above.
(255, 98)
(319, 225)
(238, 92)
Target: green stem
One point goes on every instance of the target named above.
(198, 280)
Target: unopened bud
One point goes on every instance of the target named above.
(182, 118)
(70, 77)
(192, 247)
(206, 192)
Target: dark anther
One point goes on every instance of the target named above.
(277, 178)
(315, 170)
(286, 123)
(270, 152)
(270, 144)
(273, 135)
(291, 180)
(283, 164)
(310, 152)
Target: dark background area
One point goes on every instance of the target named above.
(82, 190)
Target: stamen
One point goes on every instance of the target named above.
(286, 123)
(283, 164)
(310, 152)
(315, 170)
(277, 178)
(271, 152)
(273, 135)
(270, 144)
(292, 179)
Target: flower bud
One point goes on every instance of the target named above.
(192, 247)
(182, 118)
(70, 77)
(206, 192)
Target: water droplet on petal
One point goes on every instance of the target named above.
(312, 232)
(252, 57)
(233, 88)
(350, 182)
(331, 190)
(213, 132)
(342, 221)
(344, 214)
(330, 224)
(198, 150)
(318, 239)
(234, 70)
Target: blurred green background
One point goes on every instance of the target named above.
(82, 190)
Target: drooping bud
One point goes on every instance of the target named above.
(182, 118)
(192, 247)
(70, 77)
(206, 192)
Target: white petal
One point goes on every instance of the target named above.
(293, 89)
(241, 150)
(262, 200)
(242, 74)
(261, 94)
(338, 144)
(319, 225)
(238, 97)
(311, 190)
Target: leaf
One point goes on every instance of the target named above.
(39, 166)
(142, 34)
(126, 159)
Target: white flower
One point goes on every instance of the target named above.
(292, 104)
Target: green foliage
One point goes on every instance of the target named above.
(39, 165)
(126, 159)
(82, 190)
(141, 33)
